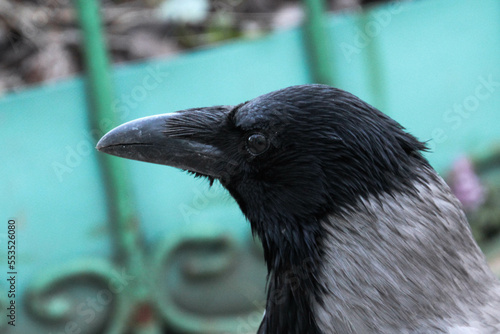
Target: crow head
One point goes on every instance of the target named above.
(356, 226)
(287, 157)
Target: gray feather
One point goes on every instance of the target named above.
(406, 263)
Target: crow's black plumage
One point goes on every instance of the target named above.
(360, 235)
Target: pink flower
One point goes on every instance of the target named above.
(465, 184)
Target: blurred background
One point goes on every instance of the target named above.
(107, 245)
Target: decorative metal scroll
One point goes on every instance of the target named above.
(204, 282)
(85, 296)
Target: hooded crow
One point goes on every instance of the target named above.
(360, 234)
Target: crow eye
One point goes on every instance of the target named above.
(257, 144)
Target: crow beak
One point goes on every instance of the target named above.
(178, 140)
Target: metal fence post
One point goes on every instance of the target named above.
(317, 42)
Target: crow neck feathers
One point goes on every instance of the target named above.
(328, 150)
(404, 262)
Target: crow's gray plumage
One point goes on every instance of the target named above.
(360, 234)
